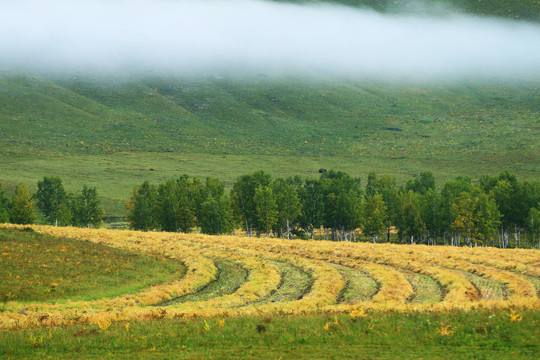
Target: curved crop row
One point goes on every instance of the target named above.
(517, 286)
(496, 262)
(393, 286)
(359, 286)
(394, 269)
(327, 281)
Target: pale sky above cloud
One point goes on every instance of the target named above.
(191, 36)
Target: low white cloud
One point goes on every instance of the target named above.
(193, 36)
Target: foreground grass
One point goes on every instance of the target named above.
(475, 335)
(37, 267)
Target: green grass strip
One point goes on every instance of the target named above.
(426, 289)
(359, 286)
(37, 267)
(475, 335)
(230, 277)
(295, 283)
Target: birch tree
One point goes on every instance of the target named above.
(52, 200)
(288, 206)
(374, 217)
(266, 209)
(22, 211)
(4, 206)
(142, 207)
(86, 208)
(243, 199)
(312, 211)
(216, 216)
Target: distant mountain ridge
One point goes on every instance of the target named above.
(514, 9)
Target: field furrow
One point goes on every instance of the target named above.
(518, 288)
(295, 283)
(359, 287)
(229, 278)
(488, 289)
(426, 289)
(517, 262)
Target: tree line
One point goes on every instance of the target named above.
(57, 206)
(493, 211)
(496, 210)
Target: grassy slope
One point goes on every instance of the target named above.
(38, 267)
(109, 132)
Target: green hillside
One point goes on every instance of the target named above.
(266, 115)
(113, 133)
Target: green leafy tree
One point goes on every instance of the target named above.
(432, 215)
(266, 208)
(371, 185)
(140, 210)
(450, 193)
(22, 211)
(409, 217)
(533, 223)
(476, 217)
(342, 203)
(487, 183)
(374, 217)
(514, 199)
(197, 193)
(214, 187)
(216, 216)
(52, 200)
(312, 211)
(504, 194)
(86, 209)
(4, 206)
(386, 187)
(243, 200)
(422, 184)
(288, 206)
(351, 219)
(175, 208)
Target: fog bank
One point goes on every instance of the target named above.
(197, 36)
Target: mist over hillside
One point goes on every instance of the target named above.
(193, 38)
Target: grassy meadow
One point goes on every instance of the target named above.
(37, 267)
